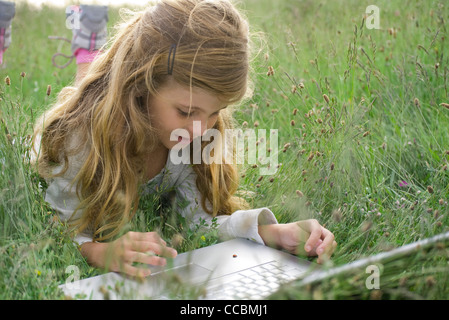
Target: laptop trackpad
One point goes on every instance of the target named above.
(189, 273)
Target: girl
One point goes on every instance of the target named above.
(177, 62)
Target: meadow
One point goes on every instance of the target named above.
(362, 117)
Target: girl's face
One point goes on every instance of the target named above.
(177, 107)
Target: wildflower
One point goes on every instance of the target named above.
(23, 74)
(270, 71)
(441, 202)
(203, 238)
(48, 90)
(37, 272)
(430, 189)
(256, 124)
(295, 111)
(301, 85)
(8, 81)
(403, 183)
(332, 166)
(292, 123)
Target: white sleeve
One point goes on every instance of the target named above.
(240, 224)
(62, 197)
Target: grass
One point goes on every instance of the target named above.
(367, 145)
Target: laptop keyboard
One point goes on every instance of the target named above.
(254, 283)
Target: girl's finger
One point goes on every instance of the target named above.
(135, 271)
(159, 249)
(327, 244)
(315, 231)
(145, 258)
(145, 236)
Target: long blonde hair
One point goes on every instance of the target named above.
(112, 125)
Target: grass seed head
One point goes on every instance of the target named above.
(446, 105)
(8, 81)
(416, 102)
(48, 90)
(326, 98)
(429, 189)
(294, 88)
(299, 193)
(310, 156)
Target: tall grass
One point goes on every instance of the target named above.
(358, 111)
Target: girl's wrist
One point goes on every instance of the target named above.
(269, 234)
(94, 252)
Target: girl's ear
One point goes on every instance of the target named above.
(142, 102)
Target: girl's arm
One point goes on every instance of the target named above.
(118, 255)
(305, 237)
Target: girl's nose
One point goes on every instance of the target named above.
(197, 128)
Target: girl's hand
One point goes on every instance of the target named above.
(120, 255)
(306, 237)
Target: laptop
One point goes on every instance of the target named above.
(237, 269)
(234, 269)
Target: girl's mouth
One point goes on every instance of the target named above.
(184, 140)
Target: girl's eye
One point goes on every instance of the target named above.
(183, 114)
